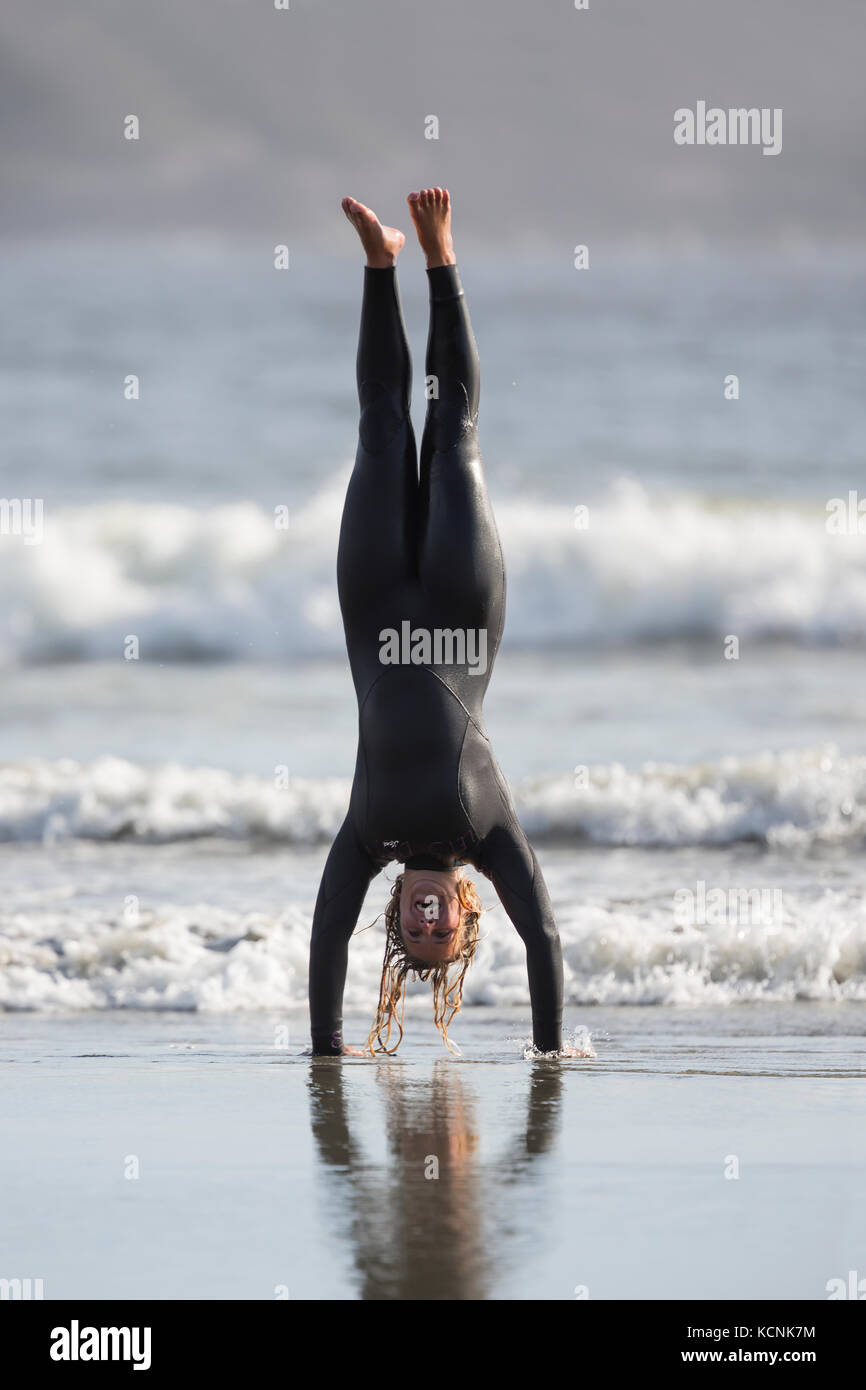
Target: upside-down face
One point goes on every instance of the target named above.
(430, 915)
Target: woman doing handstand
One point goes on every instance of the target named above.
(421, 583)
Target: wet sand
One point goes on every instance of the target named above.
(263, 1174)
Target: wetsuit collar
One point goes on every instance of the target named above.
(427, 861)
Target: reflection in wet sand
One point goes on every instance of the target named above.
(430, 1221)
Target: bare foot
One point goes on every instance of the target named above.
(431, 213)
(382, 244)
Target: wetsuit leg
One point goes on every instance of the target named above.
(461, 564)
(379, 527)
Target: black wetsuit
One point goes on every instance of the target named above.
(422, 555)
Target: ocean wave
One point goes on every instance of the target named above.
(786, 800)
(215, 960)
(229, 583)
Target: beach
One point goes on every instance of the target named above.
(698, 808)
(701, 1154)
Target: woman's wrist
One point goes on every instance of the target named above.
(328, 1044)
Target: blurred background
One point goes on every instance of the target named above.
(255, 119)
(165, 818)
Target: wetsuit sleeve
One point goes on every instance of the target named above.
(509, 861)
(347, 876)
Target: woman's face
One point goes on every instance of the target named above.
(430, 914)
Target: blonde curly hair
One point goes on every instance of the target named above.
(399, 965)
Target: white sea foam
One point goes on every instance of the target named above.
(68, 942)
(790, 799)
(225, 582)
(787, 800)
(71, 959)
